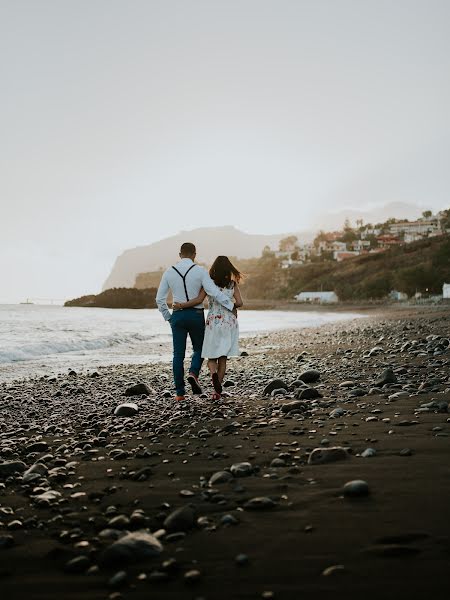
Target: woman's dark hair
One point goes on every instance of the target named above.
(223, 272)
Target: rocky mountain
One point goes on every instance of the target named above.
(210, 242)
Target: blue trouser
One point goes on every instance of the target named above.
(183, 322)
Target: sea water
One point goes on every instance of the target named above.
(36, 340)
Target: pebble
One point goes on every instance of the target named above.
(127, 409)
(131, 548)
(356, 488)
(321, 456)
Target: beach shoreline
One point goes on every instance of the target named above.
(305, 537)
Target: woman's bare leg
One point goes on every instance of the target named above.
(212, 365)
(222, 368)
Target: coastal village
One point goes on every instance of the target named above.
(363, 239)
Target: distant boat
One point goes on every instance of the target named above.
(27, 302)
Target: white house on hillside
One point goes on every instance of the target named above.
(446, 290)
(317, 297)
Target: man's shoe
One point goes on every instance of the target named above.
(193, 380)
(216, 383)
(216, 396)
(180, 398)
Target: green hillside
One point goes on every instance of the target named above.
(419, 266)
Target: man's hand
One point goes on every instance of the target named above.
(177, 305)
(234, 311)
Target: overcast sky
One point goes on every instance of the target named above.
(125, 121)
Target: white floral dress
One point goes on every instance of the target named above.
(221, 331)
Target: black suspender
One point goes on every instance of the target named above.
(183, 277)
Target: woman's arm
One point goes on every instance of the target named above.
(237, 297)
(198, 300)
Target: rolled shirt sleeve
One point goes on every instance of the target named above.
(161, 298)
(213, 290)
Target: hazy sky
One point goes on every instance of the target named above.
(125, 121)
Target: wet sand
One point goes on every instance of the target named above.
(124, 474)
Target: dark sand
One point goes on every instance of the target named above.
(394, 543)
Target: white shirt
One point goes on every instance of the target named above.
(197, 278)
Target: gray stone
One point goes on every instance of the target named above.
(310, 376)
(242, 469)
(36, 471)
(320, 456)
(260, 503)
(356, 488)
(368, 453)
(308, 394)
(387, 376)
(131, 548)
(274, 385)
(127, 409)
(181, 519)
(79, 564)
(10, 467)
(220, 477)
(138, 389)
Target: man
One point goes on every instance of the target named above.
(185, 280)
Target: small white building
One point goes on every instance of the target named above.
(446, 290)
(317, 297)
(398, 296)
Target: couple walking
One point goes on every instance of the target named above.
(190, 284)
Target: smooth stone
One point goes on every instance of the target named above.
(333, 570)
(274, 385)
(220, 477)
(308, 394)
(310, 376)
(368, 453)
(138, 389)
(181, 519)
(34, 472)
(127, 409)
(279, 392)
(387, 376)
(294, 405)
(347, 384)
(48, 497)
(118, 580)
(10, 467)
(79, 564)
(356, 488)
(398, 395)
(131, 548)
(241, 559)
(260, 503)
(337, 412)
(320, 456)
(192, 576)
(38, 447)
(243, 469)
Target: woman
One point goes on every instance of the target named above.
(222, 328)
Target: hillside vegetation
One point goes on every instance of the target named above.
(118, 298)
(421, 266)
